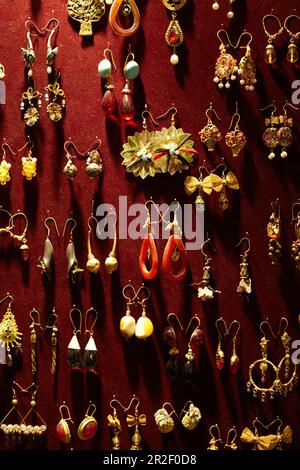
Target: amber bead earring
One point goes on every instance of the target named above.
(45, 262)
(270, 54)
(292, 53)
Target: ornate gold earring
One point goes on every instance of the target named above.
(245, 284)
(28, 161)
(127, 322)
(226, 66)
(45, 262)
(114, 424)
(215, 442)
(136, 421)
(235, 139)
(13, 431)
(40, 430)
(74, 349)
(247, 69)
(33, 339)
(221, 183)
(94, 161)
(191, 416)
(220, 356)
(92, 264)
(292, 53)
(295, 249)
(90, 355)
(285, 133)
(111, 262)
(63, 431)
(5, 176)
(174, 33)
(10, 336)
(230, 441)
(234, 360)
(24, 248)
(163, 419)
(274, 233)
(196, 339)
(73, 267)
(86, 14)
(203, 185)
(70, 169)
(270, 135)
(52, 325)
(210, 134)
(270, 54)
(88, 426)
(205, 289)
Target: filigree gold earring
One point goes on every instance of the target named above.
(114, 424)
(174, 34)
(226, 66)
(191, 416)
(245, 284)
(235, 139)
(270, 54)
(247, 68)
(221, 183)
(295, 249)
(210, 134)
(215, 442)
(10, 336)
(63, 431)
(74, 349)
(94, 161)
(127, 322)
(285, 133)
(90, 354)
(292, 53)
(163, 419)
(105, 68)
(274, 233)
(86, 14)
(45, 262)
(5, 166)
(72, 263)
(131, 71)
(270, 135)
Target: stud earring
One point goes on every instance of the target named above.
(205, 290)
(52, 325)
(295, 250)
(215, 442)
(235, 139)
(105, 67)
(247, 69)
(88, 426)
(169, 336)
(127, 322)
(210, 134)
(73, 267)
(63, 431)
(131, 71)
(230, 441)
(28, 161)
(292, 53)
(274, 233)
(74, 350)
(136, 421)
(270, 135)
(234, 360)
(221, 183)
(144, 326)
(10, 336)
(245, 284)
(191, 416)
(174, 34)
(285, 134)
(114, 424)
(90, 355)
(5, 176)
(163, 419)
(220, 356)
(148, 257)
(270, 54)
(86, 14)
(33, 339)
(196, 339)
(92, 264)
(94, 161)
(111, 262)
(174, 251)
(70, 169)
(203, 185)
(226, 66)
(45, 262)
(125, 8)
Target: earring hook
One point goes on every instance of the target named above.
(244, 33)
(212, 110)
(294, 35)
(108, 54)
(70, 219)
(195, 317)
(54, 316)
(215, 426)
(172, 108)
(145, 113)
(172, 408)
(204, 168)
(119, 403)
(221, 320)
(132, 401)
(266, 322)
(65, 407)
(281, 28)
(234, 431)
(288, 104)
(234, 322)
(174, 315)
(87, 313)
(143, 287)
(285, 320)
(206, 242)
(227, 35)
(34, 312)
(75, 330)
(48, 219)
(247, 239)
(297, 203)
(130, 299)
(269, 106)
(5, 144)
(236, 114)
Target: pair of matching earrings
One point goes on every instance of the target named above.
(269, 441)
(51, 325)
(135, 421)
(280, 136)
(210, 134)
(131, 72)
(216, 442)
(292, 55)
(216, 6)
(205, 289)
(89, 358)
(28, 163)
(31, 98)
(190, 419)
(86, 429)
(174, 370)
(226, 68)
(143, 328)
(220, 356)
(93, 160)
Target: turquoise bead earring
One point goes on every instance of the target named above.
(105, 68)
(131, 71)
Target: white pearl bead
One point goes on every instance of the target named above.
(240, 71)
(221, 85)
(283, 154)
(251, 88)
(227, 85)
(174, 59)
(233, 77)
(215, 6)
(230, 14)
(108, 2)
(216, 79)
(242, 82)
(271, 156)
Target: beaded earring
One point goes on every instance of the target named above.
(235, 139)
(28, 161)
(5, 166)
(131, 71)
(226, 66)
(105, 67)
(45, 262)
(292, 53)
(210, 134)
(274, 233)
(295, 248)
(285, 134)
(270, 135)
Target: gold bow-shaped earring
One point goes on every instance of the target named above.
(286, 436)
(260, 442)
(136, 421)
(191, 184)
(220, 183)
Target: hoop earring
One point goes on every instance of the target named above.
(125, 8)
(270, 54)
(45, 262)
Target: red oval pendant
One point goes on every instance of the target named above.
(148, 251)
(174, 242)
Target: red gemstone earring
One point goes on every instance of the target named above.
(131, 71)
(234, 360)
(174, 251)
(220, 353)
(226, 66)
(148, 259)
(174, 33)
(169, 337)
(105, 67)
(88, 426)
(63, 431)
(196, 339)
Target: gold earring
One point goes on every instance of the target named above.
(221, 183)
(13, 432)
(45, 262)
(203, 185)
(274, 233)
(92, 264)
(38, 431)
(74, 350)
(114, 424)
(285, 133)
(88, 426)
(220, 356)
(226, 66)
(292, 53)
(5, 166)
(72, 263)
(111, 262)
(86, 14)
(205, 290)
(70, 169)
(234, 360)
(191, 416)
(174, 33)
(93, 166)
(90, 355)
(136, 421)
(24, 248)
(33, 339)
(270, 54)
(127, 322)
(54, 339)
(210, 134)
(28, 162)
(235, 139)
(247, 68)
(164, 420)
(295, 249)
(215, 442)
(195, 340)
(230, 442)
(245, 284)
(10, 336)
(63, 431)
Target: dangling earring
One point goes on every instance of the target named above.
(226, 66)
(215, 442)
(270, 135)
(286, 342)
(37, 430)
(270, 54)
(144, 326)
(114, 424)
(219, 184)
(148, 258)
(274, 233)
(191, 417)
(230, 441)
(88, 426)
(173, 149)
(74, 350)
(73, 267)
(295, 250)
(45, 262)
(28, 162)
(109, 102)
(174, 250)
(111, 262)
(5, 166)
(235, 139)
(125, 7)
(10, 336)
(203, 185)
(24, 248)
(13, 432)
(195, 340)
(138, 151)
(163, 419)
(285, 134)
(136, 421)
(70, 170)
(205, 290)
(210, 134)
(216, 6)
(169, 336)
(63, 431)
(94, 161)
(127, 322)
(292, 53)
(245, 284)
(54, 339)
(234, 360)
(33, 339)
(2, 85)
(92, 264)
(86, 14)
(90, 355)
(174, 33)
(220, 356)
(131, 71)
(247, 69)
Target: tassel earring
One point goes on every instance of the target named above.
(74, 349)
(90, 355)
(245, 284)
(105, 67)
(73, 267)
(111, 262)
(131, 71)
(270, 54)
(274, 233)
(45, 262)
(51, 325)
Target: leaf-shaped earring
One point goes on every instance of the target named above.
(45, 262)
(74, 349)
(90, 355)
(72, 263)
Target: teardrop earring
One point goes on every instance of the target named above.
(148, 258)
(45, 262)
(270, 54)
(92, 264)
(131, 71)
(125, 8)
(127, 322)
(144, 326)
(111, 262)
(70, 169)
(105, 68)
(74, 349)
(72, 263)
(174, 34)
(196, 339)
(90, 355)
(292, 53)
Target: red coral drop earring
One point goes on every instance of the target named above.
(148, 259)
(174, 251)
(105, 67)
(131, 71)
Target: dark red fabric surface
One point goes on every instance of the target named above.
(132, 368)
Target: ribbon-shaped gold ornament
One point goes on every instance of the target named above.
(229, 181)
(269, 442)
(191, 184)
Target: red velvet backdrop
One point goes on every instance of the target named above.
(132, 368)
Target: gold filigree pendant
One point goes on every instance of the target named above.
(86, 12)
